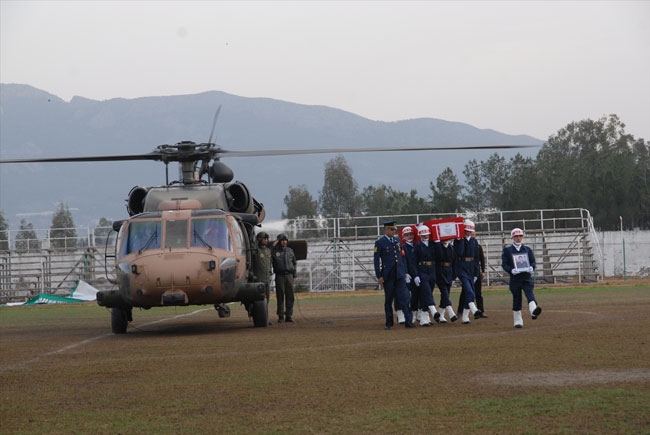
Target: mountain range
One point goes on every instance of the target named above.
(35, 123)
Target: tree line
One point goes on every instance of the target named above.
(62, 235)
(587, 164)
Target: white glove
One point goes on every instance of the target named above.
(515, 271)
(417, 281)
(408, 278)
(475, 278)
(530, 269)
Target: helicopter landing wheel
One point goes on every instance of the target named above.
(260, 313)
(119, 320)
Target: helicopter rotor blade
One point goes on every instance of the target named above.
(189, 151)
(286, 152)
(126, 157)
(214, 122)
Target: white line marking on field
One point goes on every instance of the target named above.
(24, 364)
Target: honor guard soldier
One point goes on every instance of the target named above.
(426, 279)
(411, 267)
(518, 260)
(445, 276)
(468, 269)
(478, 286)
(390, 270)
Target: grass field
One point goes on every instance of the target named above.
(582, 367)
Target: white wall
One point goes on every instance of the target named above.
(637, 252)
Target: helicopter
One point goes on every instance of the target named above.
(189, 241)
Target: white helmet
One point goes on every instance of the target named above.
(516, 232)
(407, 230)
(423, 230)
(469, 225)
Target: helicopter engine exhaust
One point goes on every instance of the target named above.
(135, 203)
(239, 198)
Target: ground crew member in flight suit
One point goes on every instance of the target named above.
(261, 263)
(426, 279)
(468, 269)
(520, 278)
(390, 270)
(284, 267)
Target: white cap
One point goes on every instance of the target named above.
(516, 232)
(423, 230)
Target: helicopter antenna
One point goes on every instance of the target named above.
(214, 122)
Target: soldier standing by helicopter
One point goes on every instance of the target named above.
(261, 263)
(284, 267)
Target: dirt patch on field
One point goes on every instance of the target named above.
(566, 378)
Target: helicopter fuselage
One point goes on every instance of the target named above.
(182, 257)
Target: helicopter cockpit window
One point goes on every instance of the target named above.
(211, 232)
(142, 236)
(176, 234)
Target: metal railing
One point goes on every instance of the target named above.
(53, 238)
(340, 252)
(26, 274)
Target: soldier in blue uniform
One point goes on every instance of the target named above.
(468, 269)
(478, 286)
(426, 279)
(520, 277)
(390, 270)
(411, 267)
(445, 276)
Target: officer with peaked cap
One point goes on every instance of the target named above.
(390, 270)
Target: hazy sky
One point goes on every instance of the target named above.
(516, 67)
